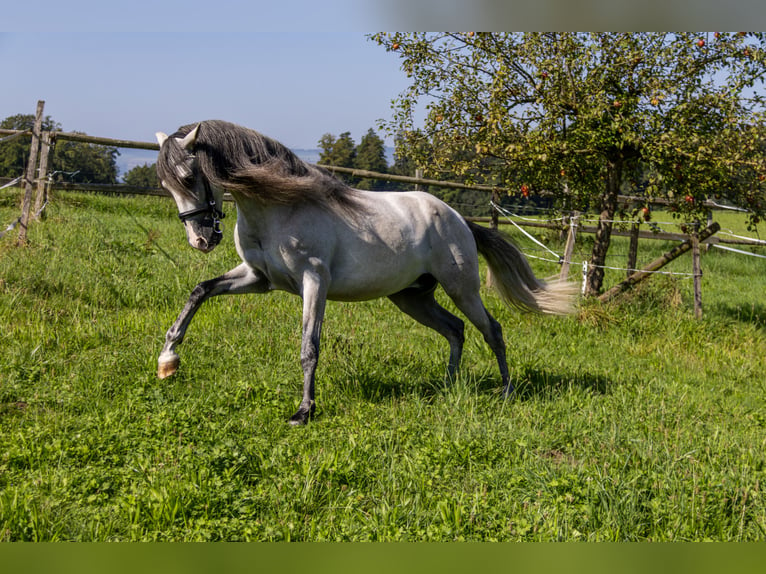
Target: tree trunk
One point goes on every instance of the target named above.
(608, 208)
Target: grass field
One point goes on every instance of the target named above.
(632, 421)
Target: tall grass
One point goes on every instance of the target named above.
(632, 420)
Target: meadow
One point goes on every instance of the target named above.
(632, 420)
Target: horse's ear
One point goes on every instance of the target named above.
(161, 137)
(190, 139)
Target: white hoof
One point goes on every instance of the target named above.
(167, 365)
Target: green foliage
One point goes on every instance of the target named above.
(142, 176)
(632, 421)
(84, 162)
(339, 151)
(584, 116)
(371, 156)
(74, 161)
(15, 153)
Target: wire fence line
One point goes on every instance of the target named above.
(560, 259)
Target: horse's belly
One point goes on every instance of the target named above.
(369, 287)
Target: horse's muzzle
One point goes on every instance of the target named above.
(204, 235)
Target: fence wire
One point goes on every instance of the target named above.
(585, 264)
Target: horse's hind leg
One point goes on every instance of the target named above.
(470, 304)
(421, 306)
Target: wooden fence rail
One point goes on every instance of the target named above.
(43, 141)
(153, 146)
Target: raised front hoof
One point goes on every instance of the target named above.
(167, 365)
(302, 416)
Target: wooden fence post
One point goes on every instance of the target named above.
(697, 275)
(493, 224)
(30, 175)
(418, 175)
(569, 247)
(659, 262)
(633, 249)
(42, 184)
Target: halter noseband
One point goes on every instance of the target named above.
(210, 209)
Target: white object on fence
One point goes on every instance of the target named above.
(507, 215)
(751, 239)
(739, 251)
(12, 183)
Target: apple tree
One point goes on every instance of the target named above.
(588, 116)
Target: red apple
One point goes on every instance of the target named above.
(524, 190)
(701, 43)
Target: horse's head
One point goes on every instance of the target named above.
(199, 205)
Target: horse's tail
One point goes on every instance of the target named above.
(513, 277)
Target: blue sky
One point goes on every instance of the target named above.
(292, 69)
(294, 86)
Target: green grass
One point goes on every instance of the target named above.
(632, 421)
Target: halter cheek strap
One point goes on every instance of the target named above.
(210, 209)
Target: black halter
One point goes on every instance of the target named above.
(210, 208)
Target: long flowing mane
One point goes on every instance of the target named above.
(243, 161)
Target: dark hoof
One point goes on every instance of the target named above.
(509, 391)
(298, 419)
(302, 416)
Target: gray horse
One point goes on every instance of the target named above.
(300, 229)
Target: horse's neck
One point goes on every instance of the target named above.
(259, 221)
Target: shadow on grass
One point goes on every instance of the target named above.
(540, 384)
(528, 385)
(375, 387)
(754, 314)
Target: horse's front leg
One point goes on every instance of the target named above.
(241, 279)
(314, 294)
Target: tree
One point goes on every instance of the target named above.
(340, 152)
(86, 163)
(143, 176)
(586, 116)
(403, 162)
(80, 162)
(15, 153)
(370, 155)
